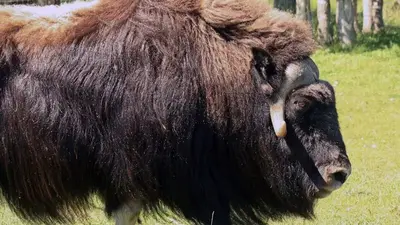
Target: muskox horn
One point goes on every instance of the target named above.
(296, 74)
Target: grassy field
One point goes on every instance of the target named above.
(367, 83)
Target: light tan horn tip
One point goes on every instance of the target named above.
(281, 130)
(277, 118)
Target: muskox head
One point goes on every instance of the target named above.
(305, 121)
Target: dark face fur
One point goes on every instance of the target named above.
(313, 140)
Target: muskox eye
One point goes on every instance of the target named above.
(302, 105)
(299, 104)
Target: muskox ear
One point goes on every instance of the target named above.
(264, 71)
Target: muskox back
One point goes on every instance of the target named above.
(153, 103)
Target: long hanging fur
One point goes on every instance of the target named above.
(144, 99)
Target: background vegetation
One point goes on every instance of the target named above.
(367, 82)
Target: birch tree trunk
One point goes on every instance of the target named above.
(345, 22)
(367, 16)
(356, 28)
(303, 10)
(324, 31)
(377, 15)
(48, 2)
(286, 5)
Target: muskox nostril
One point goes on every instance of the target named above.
(340, 176)
(335, 176)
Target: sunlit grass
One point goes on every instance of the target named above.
(367, 84)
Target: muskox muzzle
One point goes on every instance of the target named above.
(297, 74)
(314, 137)
(333, 178)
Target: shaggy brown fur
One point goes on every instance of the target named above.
(244, 24)
(248, 22)
(134, 98)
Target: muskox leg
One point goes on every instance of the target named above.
(128, 214)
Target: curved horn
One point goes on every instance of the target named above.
(296, 74)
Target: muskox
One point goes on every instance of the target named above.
(212, 109)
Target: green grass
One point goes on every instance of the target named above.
(367, 83)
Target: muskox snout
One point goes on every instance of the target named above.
(334, 177)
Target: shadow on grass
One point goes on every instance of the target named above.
(386, 38)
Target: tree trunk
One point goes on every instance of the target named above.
(377, 15)
(345, 19)
(356, 28)
(324, 31)
(303, 10)
(367, 16)
(396, 5)
(286, 5)
(48, 2)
